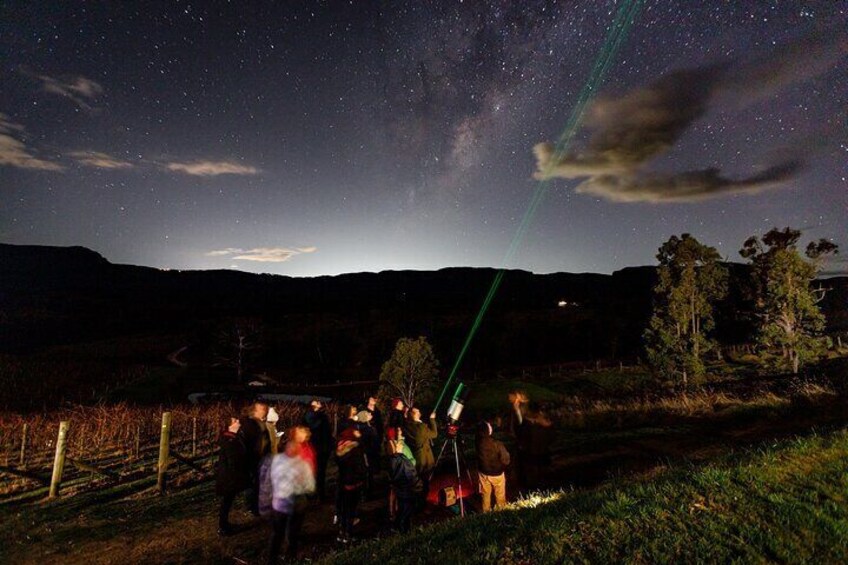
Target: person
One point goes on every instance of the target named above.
(302, 436)
(405, 483)
(420, 437)
(255, 437)
(533, 438)
(322, 440)
(376, 416)
(350, 458)
(291, 479)
(397, 416)
(492, 461)
(271, 429)
(396, 434)
(230, 472)
(371, 446)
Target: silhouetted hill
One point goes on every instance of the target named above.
(52, 295)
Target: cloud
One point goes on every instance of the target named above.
(261, 254)
(629, 130)
(690, 186)
(80, 90)
(99, 160)
(15, 153)
(211, 168)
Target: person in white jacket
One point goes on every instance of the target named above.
(292, 479)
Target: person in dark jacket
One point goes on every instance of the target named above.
(492, 461)
(376, 416)
(533, 439)
(420, 438)
(254, 434)
(353, 473)
(405, 483)
(349, 420)
(231, 475)
(397, 416)
(371, 444)
(322, 440)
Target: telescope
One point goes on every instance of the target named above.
(455, 410)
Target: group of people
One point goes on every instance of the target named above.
(281, 471)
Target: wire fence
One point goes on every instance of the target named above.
(111, 444)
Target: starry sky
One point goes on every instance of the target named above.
(311, 138)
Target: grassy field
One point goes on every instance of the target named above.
(785, 503)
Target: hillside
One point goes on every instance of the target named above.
(784, 504)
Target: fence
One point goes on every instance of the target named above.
(92, 447)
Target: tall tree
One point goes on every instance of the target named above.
(411, 369)
(786, 302)
(691, 279)
(238, 342)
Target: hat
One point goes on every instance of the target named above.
(272, 416)
(363, 416)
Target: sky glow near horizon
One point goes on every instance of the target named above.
(342, 137)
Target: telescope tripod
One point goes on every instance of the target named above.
(458, 457)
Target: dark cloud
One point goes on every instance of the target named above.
(630, 130)
(689, 186)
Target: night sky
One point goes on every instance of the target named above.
(309, 138)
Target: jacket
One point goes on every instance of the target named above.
(231, 473)
(319, 426)
(256, 440)
(353, 470)
(403, 477)
(492, 456)
(420, 437)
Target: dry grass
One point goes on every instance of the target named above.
(118, 437)
(577, 413)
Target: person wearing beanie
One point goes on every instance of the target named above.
(271, 426)
(492, 461)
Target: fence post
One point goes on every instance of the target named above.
(59, 460)
(24, 446)
(193, 437)
(164, 439)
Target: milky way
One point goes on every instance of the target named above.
(319, 138)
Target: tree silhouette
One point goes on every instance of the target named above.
(411, 369)
(786, 303)
(691, 279)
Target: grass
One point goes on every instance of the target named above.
(786, 503)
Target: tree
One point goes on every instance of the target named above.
(238, 341)
(786, 303)
(411, 369)
(691, 279)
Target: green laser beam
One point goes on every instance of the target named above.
(622, 23)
